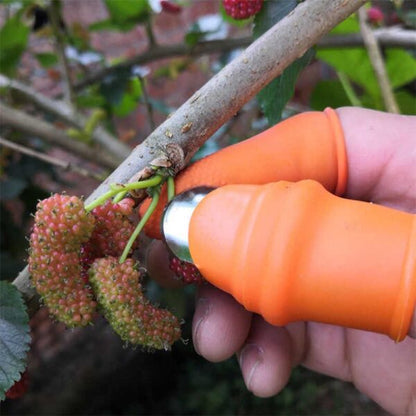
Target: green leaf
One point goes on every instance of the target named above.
(13, 40)
(354, 63)
(400, 66)
(47, 59)
(349, 25)
(122, 11)
(108, 24)
(130, 99)
(406, 102)
(14, 336)
(194, 35)
(270, 14)
(328, 94)
(114, 85)
(274, 97)
(90, 100)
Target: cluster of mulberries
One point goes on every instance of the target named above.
(120, 295)
(73, 261)
(61, 227)
(185, 271)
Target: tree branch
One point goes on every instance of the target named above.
(54, 14)
(167, 51)
(221, 97)
(51, 160)
(64, 112)
(377, 61)
(391, 37)
(35, 127)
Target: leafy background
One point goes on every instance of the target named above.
(90, 371)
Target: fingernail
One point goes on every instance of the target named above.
(202, 310)
(250, 358)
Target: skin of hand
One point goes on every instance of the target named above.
(381, 151)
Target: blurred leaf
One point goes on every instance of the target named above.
(46, 59)
(349, 25)
(194, 35)
(270, 14)
(13, 40)
(274, 97)
(129, 99)
(128, 10)
(14, 336)
(124, 15)
(400, 66)
(114, 85)
(406, 102)
(354, 63)
(328, 94)
(11, 187)
(90, 100)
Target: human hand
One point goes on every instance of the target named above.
(382, 169)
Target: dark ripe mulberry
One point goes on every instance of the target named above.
(185, 271)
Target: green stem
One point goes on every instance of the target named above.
(349, 90)
(171, 188)
(119, 197)
(116, 189)
(140, 225)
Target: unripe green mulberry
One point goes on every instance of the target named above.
(119, 293)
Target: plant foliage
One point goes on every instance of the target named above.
(14, 336)
(274, 97)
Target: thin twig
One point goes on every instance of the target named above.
(65, 113)
(349, 89)
(148, 105)
(55, 16)
(377, 62)
(32, 126)
(150, 33)
(51, 160)
(392, 37)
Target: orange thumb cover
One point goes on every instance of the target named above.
(295, 252)
(306, 146)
